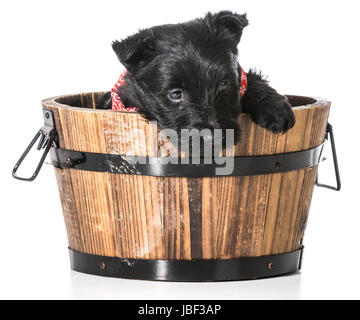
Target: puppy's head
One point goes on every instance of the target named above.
(185, 76)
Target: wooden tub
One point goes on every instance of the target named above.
(183, 228)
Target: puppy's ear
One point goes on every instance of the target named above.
(135, 51)
(227, 25)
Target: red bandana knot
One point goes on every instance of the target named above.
(243, 82)
(118, 105)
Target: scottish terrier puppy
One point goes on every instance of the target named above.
(187, 76)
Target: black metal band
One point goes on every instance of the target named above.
(243, 268)
(157, 166)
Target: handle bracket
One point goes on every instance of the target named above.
(330, 133)
(47, 135)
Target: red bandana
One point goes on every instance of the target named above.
(118, 105)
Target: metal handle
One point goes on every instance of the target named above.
(47, 135)
(330, 132)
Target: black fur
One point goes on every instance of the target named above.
(196, 56)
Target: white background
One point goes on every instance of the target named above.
(51, 48)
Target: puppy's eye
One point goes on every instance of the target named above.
(223, 85)
(176, 95)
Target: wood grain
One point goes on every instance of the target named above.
(146, 217)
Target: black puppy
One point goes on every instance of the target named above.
(186, 76)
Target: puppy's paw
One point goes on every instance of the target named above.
(275, 115)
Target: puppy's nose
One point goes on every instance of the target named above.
(213, 121)
(214, 124)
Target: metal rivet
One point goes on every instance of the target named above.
(68, 160)
(270, 265)
(102, 265)
(47, 115)
(278, 164)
